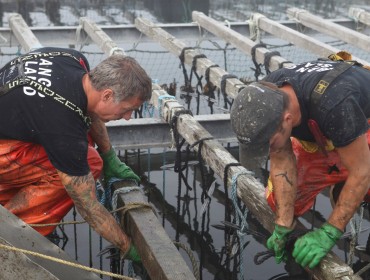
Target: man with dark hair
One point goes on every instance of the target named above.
(53, 113)
(314, 117)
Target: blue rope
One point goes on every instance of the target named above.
(241, 218)
(160, 100)
(148, 108)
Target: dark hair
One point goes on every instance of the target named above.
(124, 76)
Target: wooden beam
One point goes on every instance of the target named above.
(359, 15)
(176, 46)
(236, 39)
(23, 33)
(15, 232)
(100, 37)
(327, 27)
(299, 39)
(159, 255)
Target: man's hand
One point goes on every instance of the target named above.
(114, 168)
(312, 247)
(277, 242)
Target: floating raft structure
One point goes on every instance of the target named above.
(159, 254)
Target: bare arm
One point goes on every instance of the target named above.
(99, 134)
(356, 158)
(283, 173)
(82, 191)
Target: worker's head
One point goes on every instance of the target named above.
(123, 84)
(257, 113)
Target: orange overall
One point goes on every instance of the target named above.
(29, 184)
(316, 171)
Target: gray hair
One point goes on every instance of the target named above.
(124, 76)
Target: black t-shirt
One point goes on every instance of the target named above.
(344, 107)
(31, 116)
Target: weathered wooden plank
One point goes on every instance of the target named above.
(359, 15)
(20, 235)
(100, 37)
(236, 39)
(159, 255)
(176, 46)
(327, 27)
(23, 33)
(297, 38)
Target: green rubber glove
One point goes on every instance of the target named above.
(133, 255)
(277, 242)
(114, 168)
(312, 247)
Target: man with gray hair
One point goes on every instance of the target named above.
(54, 111)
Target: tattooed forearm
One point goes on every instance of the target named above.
(285, 175)
(82, 191)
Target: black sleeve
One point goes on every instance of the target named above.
(345, 122)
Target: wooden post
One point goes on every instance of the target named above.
(241, 42)
(23, 33)
(100, 37)
(15, 232)
(159, 255)
(295, 37)
(327, 27)
(176, 46)
(360, 15)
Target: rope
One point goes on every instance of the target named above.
(257, 70)
(362, 270)
(58, 224)
(267, 60)
(133, 205)
(193, 261)
(281, 64)
(254, 30)
(223, 87)
(76, 265)
(355, 230)
(240, 218)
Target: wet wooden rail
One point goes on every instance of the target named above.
(329, 28)
(16, 265)
(359, 15)
(297, 38)
(176, 46)
(159, 255)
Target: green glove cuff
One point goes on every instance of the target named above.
(114, 168)
(277, 242)
(282, 231)
(332, 232)
(107, 156)
(133, 255)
